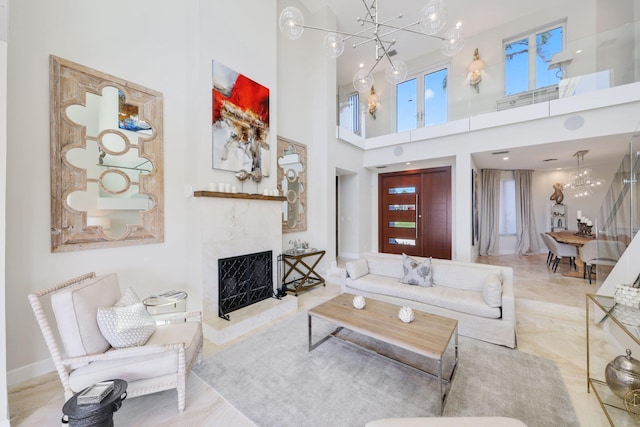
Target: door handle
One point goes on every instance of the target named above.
(417, 216)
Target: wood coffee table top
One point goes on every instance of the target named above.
(428, 334)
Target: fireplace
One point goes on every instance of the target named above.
(244, 280)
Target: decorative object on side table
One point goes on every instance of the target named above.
(359, 302)
(557, 195)
(406, 314)
(623, 374)
(628, 295)
(632, 403)
(585, 226)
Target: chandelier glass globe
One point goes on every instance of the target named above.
(334, 44)
(453, 41)
(362, 81)
(433, 16)
(396, 72)
(291, 22)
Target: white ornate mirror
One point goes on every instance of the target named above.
(106, 160)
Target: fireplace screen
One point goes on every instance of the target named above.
(243, 280)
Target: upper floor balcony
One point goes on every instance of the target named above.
(440, 98)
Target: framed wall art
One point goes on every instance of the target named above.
(240, 122)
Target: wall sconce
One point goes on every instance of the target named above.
(474, 71)
(372, 102)
(560, 60)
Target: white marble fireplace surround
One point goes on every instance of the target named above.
(232, 227)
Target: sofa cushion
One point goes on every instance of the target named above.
(358, 268)
(416, 272)
(463, 276)
(470, 302)
(492, 290)
(384, 265)
(75, 309)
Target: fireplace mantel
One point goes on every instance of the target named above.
(238, 196)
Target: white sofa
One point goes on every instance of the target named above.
(480, 297)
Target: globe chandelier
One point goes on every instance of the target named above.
(431, 20)
(582, 181)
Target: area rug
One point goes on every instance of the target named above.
(273, 379)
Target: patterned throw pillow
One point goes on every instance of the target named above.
(416, 272)
(127, 323)
(129, 297)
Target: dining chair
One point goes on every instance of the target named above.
(87, 326)
(561, 250)
(545, 240)
(600, 252)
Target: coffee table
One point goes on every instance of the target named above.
(427, 335)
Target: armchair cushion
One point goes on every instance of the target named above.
(144, 366)
(75, 310)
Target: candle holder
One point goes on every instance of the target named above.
(584, 229)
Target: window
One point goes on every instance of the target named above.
(527, 58)
(422, 100)
(507, 221)
(349, 111)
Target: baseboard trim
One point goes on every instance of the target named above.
(28, 372)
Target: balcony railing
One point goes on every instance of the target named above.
(600, 62)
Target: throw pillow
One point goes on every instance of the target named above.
(416, 272)
(126, 325)
(356, 269)
(492, 290)
(129, 297)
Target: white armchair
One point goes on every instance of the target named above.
(83, 356)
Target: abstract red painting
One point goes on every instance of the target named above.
(240, 122)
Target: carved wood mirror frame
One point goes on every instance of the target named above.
(292, 183)
(69, 84)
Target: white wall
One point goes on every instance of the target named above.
(245, 42)
(166, 46)
(307, 111)
(4, 410)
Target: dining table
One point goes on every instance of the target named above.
(572, 237)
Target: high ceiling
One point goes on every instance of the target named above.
(476, 17)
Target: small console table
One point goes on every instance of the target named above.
(304, 262)
(627, 320)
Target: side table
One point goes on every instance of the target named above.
(163, 306)
(97, 414)
(627, 321)
(303, 262)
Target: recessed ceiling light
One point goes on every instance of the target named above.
(361, 65)
(579, 51)
(505, 158)
(408, 163)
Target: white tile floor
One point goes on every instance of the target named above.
(550, 312)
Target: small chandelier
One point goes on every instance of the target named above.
(431, 19)
(582, 181)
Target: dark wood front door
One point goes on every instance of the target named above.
(415, 212)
